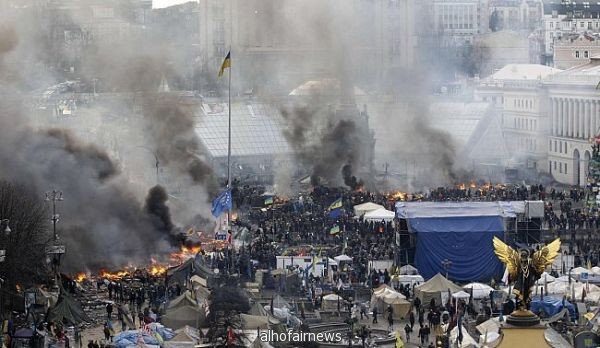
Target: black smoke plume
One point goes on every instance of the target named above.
(327, 145)
(156, 207)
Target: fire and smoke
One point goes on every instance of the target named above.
(327, 145)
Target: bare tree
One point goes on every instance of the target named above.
(25, 262)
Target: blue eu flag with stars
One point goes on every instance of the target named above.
(222, 203)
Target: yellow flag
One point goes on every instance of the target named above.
(226, 64)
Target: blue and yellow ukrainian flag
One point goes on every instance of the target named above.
(226, 64)
(335, 229)
(337, 204)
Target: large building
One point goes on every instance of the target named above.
(565, 17)
(458, 21)
(575, 49)
(515, 14)
(574, 116)
(278, 44)
(516, 92)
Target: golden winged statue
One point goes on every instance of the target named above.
(525, 267)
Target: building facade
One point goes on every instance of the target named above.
(515, 14)
(574, 119)
(516, 91)
(458, 21)
(575, 49)
(567, 17)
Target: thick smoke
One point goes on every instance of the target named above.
(326, 145)
(170, 126)
(103, 222)
(156, 206)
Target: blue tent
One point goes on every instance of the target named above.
(459, 232)
(551, 305)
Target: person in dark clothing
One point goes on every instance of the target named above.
(417, 303)
(411, 319)
(390, 319)
(407, 330)
(422, 335)
(106, 333)
(109, 310)
(375, 312)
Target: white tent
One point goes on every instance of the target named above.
(385, 296)
(578, 270)
(342, 258)
(563, 279)
(479, 290)
(595, 270)
(461, 295)
(408, 279)
(545, 278)
(362, 209)
(379, 215)
(434, 287)
(408, 269)
(330, 302)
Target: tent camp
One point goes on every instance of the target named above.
(434, 287)
(183, 299)
(380, 214)
(545, 278)
(330, 302)
(362, 209)
(67, 310)
(178, 317)
(186, 337)
(409, 270)
(479, 290)
(388, 297)
(342, 258)
(460, 232)
(461, 295)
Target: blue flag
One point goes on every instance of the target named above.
(222, 203)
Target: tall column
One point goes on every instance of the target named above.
(594, 117)
(564, 117)
(581, 119)
(576, 119)
(588, 126)
(553, 122)
(569, 130)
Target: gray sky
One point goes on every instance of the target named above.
(167, 3)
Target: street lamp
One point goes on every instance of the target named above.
(54, 196)
(446, 264)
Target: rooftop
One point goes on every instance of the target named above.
(524, 72)
(256, 129)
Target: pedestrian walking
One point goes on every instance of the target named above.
(411, 319)
(390, 319)
(375, 312)
(407, 330)
(363, 311)
(109, 310)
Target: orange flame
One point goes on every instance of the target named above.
(399, 195)
(114, 276)
(157, 270)
(80, 277)
(185, 253)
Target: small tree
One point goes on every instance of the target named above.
(25, 261)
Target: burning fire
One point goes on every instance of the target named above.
(114, 276)
(399, 195)
(157, 270)
(80, 277)
(185, 253)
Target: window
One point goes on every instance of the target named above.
(585, 54)
(560, 167)
(576, 54)
(566, 169)
(554, 165)
(550, 166)
(560, 146)
(551, 24)
(582, 24)
(555, 147)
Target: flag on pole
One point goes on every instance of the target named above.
(335, 229)
(222, 203)
(336, 204)
(335, 209)
(226, 64)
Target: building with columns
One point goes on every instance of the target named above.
(516, 92)
(574, 119)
